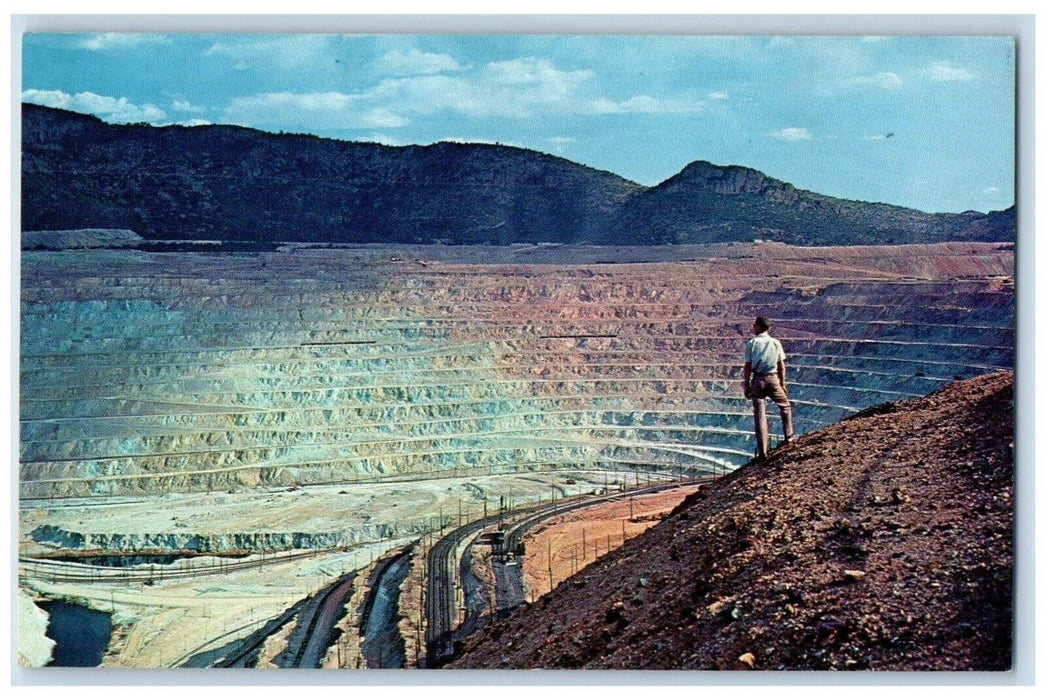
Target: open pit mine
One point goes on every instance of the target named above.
(331, 456)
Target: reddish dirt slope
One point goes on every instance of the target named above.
(882, 542)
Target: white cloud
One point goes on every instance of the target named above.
(991, 190)
(293, 51)
(885, 79)
(643, 104)
(48, 98)
(718, 95)
(326, 110)
(113, 40)
(945, 72)
(432, 93)
(559, 143)
(523, 83)
(792, 134)
(520, 88)
(535, 71)
(383, 118)
(112, 109)
(186, 106)
(415, 62)
(513, 89)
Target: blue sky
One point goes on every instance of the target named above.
(926, 122)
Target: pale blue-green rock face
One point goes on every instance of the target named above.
(168, 373)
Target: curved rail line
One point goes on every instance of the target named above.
(515, 534)
(240, 656)
(310, 611)
(323, 611)
(441, 584)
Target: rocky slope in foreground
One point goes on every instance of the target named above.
(883, 542)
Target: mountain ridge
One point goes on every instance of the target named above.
(225, 182)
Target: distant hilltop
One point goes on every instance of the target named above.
(238, 184)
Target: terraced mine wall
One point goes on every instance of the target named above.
(153, 373)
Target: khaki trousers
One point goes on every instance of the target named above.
(768, 386)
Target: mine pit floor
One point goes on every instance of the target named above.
(166, 621)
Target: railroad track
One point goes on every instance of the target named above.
(319, 619)
(304, 649)
(240, 656)
(515, 534)
(441, 583)
(73, 572)
(440, 586)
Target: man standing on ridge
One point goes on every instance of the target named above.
(764, 378)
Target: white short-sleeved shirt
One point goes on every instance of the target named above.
(763, 353)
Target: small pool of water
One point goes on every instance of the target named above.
(81, 635)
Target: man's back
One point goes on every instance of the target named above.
(763, 353)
